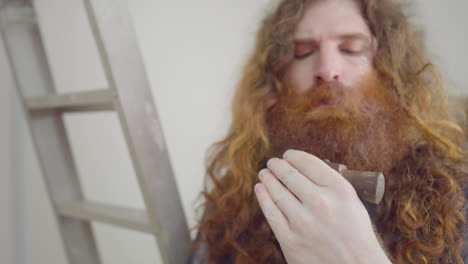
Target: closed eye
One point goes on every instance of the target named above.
(302, 56)
(304, 50)
(351, 52)
(353, 48)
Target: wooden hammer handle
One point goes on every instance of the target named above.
(370, 186)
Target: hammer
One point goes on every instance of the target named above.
(370, 186)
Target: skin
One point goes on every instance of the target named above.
(333, 44)
(314, 212)
(316, 215)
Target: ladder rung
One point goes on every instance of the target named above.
(97, 100)
(134, 219)
(14, 14)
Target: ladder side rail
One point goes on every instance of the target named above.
(122, 61)
(27, 58)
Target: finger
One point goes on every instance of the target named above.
(313, 168)
(275, 218)
(280, 195)
(295, 181)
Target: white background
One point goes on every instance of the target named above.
(193, 52)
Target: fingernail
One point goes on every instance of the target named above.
(269, 162)
(261, 174)
(286, 153)
(258, 187)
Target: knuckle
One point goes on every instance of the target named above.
(287, 175)
(323, 207)
(285, 178)
(269, 215)
(304, 223)
(278, 199)
(289, 243)
(281, 202)
(345, 190)
(291, 171)
(310, 193)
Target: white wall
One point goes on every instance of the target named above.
(193, 51)
(447, 39)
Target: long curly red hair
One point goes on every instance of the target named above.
(423, 204)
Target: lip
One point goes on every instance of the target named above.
(327, 104)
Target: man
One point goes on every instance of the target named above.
(347, 81)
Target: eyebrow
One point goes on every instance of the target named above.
(348, 37)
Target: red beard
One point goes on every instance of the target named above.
(363, 128)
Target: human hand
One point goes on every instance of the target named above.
(315, 213)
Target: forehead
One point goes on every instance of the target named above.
(325, 19)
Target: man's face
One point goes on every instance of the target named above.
(333, 45)
(335, 105)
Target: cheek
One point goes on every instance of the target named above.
(301, 76)
(355, 70)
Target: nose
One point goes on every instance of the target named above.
(328, 68)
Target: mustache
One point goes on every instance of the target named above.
(328, 92)
(365, 100)
(305, 105)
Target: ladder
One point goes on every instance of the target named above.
(128, 94)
